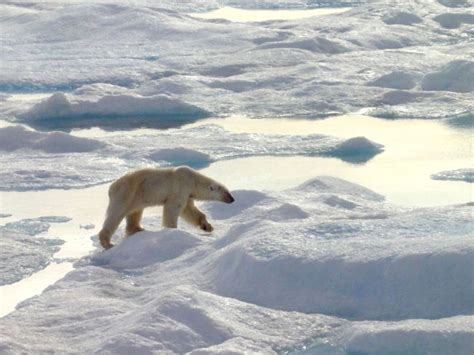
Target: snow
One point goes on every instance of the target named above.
(452, 21)
(455, 76)
(87, 226)
(34, 226)
(402, 18)
(17, 137)
(182, 156)
(283, 271)
(58, 107)
(464, 120)
(395, 80)
(171, 242)
(412, 336)
(356, 150)
(455, 175)
(112, 156)
(160, 66)
(22, 254)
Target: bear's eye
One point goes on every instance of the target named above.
(212, 188)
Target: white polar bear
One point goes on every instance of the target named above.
(173, 188)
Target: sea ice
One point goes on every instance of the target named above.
(158, 107)
(17, 137)
(94, 161)
(326, 265)
(164, 65)
(466, 175)
(21, 254)
(34, 226)
(87, 226)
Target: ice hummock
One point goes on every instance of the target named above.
(325, 265)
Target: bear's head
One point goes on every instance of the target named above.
(218, 192)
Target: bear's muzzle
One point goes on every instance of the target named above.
(228, 198)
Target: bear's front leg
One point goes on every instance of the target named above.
(195, 217)
(206, 226)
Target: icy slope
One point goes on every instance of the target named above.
(323, 266)
(391, 58)
(31, 159)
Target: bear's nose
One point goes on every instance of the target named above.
(229, 198)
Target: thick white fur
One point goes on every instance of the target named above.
(173, 188)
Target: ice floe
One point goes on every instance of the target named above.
(455, 175)
(108, 158)
(310, 268)
(21, 254)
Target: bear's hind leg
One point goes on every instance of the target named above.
(196, 217)
(133, 223)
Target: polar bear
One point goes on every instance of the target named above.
(175, 189)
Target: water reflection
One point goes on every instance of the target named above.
(414, 150)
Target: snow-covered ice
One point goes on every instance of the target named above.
(22, 254)
(149, 61)
(456, 175)
(90, 161)
(87, 226)
(338, 269)
(13, 138)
